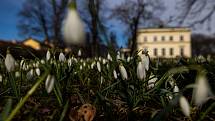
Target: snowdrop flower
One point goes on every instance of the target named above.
(42, 61)
(141, 73)
(92, 65)
(62, 57)
(123, 72)
(98, 66)
(128, 59)
(109, 57)
(201, 91)
(30, 74)
(84, 64)
(1, 78)
(9, 62)
(37, 71)
(118, 55)
(69, 62)
(151, 82)
(104, 61)
(49, 84)
(73, 27)
(48, 55)
(81, 67)
(102, 79)
(79, 53)
(17, 74)
(114, 74)
(176, 89)
(184, 106)
(145, 60)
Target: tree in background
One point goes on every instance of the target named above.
(196, 12)
(93, 12)
(136, 13)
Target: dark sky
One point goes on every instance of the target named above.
(10, 8)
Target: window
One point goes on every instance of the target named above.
(181, 38)
(171, 38)
(145, 39)
(163, 52)
(182, 51)
(163, 38)
(171, 52)
(155, 51)
(155, 38)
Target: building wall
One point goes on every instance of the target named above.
(172, 40)
(33, 44)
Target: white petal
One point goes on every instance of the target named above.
(114, 74)
(176, 89)
(48, 55)
(38, 71)
(62, 58)
(98, 66)
(49, 84)
(123, 72)
(184, 106)
(201, 91)
(73, 28)
(141, 73)
(10, 62)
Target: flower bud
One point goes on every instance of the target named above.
(49, 84)
(141, 73)
(9, 62)
(62, 57)
(123, 72)
(48, 55)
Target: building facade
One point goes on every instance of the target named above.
(165, 42)
(35, 44)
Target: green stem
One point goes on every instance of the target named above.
(22, 101)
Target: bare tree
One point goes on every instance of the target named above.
(92, 14)
(134, 13)
(196, 12)
(42, 18)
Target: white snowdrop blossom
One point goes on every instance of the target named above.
(62, 57)
(30, 74)
(128, 59)
(37, 71)
(42, 61)
(114, 74)
(201, 91)
(48, 55)
(123, 72)
(49, 84)
(9, 62)
(141, 73)
(73, 27)
(92, 65)
(145, 60)
(17, 74)
(98, 66)
(1, 78)
(118, 55)
(176, 89)
(109, 57)
(69, 62)
(151, 82)
(185, 107)
(81, 67)
(79, 53)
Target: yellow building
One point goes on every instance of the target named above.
(165, 42)
(35, 44)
